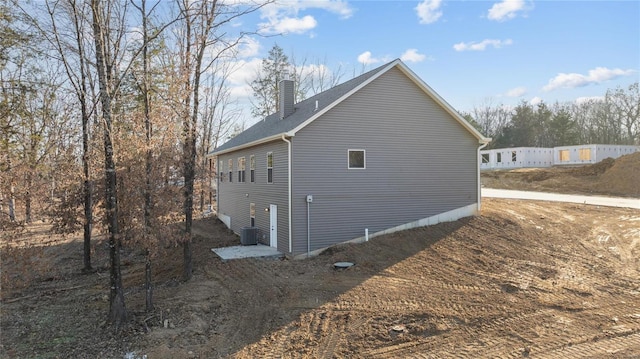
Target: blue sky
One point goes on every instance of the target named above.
(470, 52)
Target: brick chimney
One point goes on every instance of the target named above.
(286, 98)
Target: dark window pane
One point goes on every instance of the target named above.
(356, 159)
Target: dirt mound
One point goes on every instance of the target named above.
(594, 169)
(623, 176)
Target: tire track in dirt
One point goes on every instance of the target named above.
(485, 331)
(590, 347)
(333, 331)
(238, 274)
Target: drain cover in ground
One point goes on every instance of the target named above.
(343, 264)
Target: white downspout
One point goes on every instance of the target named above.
(289, 189)
(479, 163)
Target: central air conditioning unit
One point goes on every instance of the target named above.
(249, 236)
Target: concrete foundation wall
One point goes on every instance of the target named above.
(518, 157)
(587, 154)
(524, 157)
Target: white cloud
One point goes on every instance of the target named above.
(482, 45)
(366, 59)
(428, 11)
(516, 92)
(283, 16)
(245, 72)
(594, 76)
(294, 25)
(534, 101)
(249, 47)
(412, 55)
(587, 99)
(506, 10)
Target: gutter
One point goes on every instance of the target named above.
(289, 189)
(246, 145)
(479, 163)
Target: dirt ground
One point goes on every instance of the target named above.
(522, 279)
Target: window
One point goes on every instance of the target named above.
(221, 172)
(498, 157)
(269, 167)
(230, 170)
(356, 159)
(514, 157)
(252, 167)
(585, 154)
(241, 167)
(252, 214)
(563, 155)
(485, 158)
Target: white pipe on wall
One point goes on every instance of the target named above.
(289, 189)
(479, 163)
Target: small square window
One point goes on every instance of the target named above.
(485, 158)
(356, 159)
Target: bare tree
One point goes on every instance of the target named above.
(625, 105)
(491, 118)
(218, 117)
(74, 18)
(201, 34)
(107, 44)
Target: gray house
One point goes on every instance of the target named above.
(379, 153)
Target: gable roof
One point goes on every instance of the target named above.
(272, 127)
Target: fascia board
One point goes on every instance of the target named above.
(247, 145)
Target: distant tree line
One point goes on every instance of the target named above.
(614, 119)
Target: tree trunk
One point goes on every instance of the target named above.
(27, 198)
(87, 191)
(148, 288)
(148, 157)
(188, 165)
(12, 203)
(117, 311)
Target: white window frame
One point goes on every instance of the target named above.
(242, 164)
(252, 168)
(364, 155)
(269, 167)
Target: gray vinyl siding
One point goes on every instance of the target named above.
(234, 198)
(419, 162)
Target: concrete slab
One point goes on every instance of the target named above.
(237, 252)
